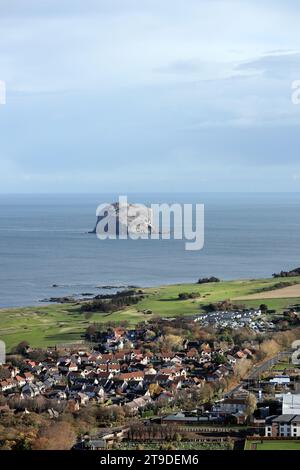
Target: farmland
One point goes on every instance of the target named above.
(48, 325)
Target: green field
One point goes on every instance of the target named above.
(283, 366)
(272, 445)
(53, 324)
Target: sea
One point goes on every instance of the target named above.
(46, 250)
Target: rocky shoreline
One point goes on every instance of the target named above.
(87, 296)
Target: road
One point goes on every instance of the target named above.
(257, 371)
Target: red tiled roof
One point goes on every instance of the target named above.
(131, 375)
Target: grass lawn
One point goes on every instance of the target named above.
(272, 445)
(54, 324)
(283, 365)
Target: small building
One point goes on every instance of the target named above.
(280, 380)
(231, 406)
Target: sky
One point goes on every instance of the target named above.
(149, 96)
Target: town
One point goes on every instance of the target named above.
(213, 383)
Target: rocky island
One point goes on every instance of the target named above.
(129, 218)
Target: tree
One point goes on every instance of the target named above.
(220, 359)
(106, 415)
(22, 348)
(263, 308)
(4, 373)
(242, 368)
(91, 332)
(251, 404)
(56, 436)
(170, 343)
(88, 315)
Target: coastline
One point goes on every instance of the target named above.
(62, 323)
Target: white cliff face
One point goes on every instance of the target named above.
(127, 218)
(137, 217)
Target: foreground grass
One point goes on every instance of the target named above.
(55, 324)
(272, 445)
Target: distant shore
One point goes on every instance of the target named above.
(52, 324)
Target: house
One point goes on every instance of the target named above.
(286, 425)
(230, 406)
(119, 333)
(138, 403)
(6, 384)
(192, 354)
(176, 360)
(129, 376)
(166, 357)
(29, 377)
(163, 378)
(94, 444)
(20, 380)
(114, 368)
(29, 390)
(231, 359)
(171, 372)
(30, 364)
(150, 371)
(247, 352)
(12, 370)
(83, 398)
(240, 354)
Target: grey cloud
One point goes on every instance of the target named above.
(280, 66)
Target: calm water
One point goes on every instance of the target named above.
(43, 241)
